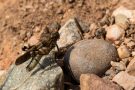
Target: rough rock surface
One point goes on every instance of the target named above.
(93, 82)
(90, 56)
(122, 21)
(69, 33)
(114, 32)
(49, 78)
(131, 67)
(123, 52)
(125, 80)
(118, 65)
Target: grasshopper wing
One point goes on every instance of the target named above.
(26, 56)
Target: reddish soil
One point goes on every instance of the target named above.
(22, 21)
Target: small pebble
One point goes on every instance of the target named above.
(122, 21)
(114, 33)
(124, 11)
(133, 53)
(123, 52)
(118, 65)
(131, 44)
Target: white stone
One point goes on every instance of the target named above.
(114, 32)
(123, 52)
(125, 80)
(69, 33)
(123, 10)
(127, 12)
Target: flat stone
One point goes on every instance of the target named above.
(69, 33)
(123, 11)
(90, 56)
(122, 21)
(93, 82)
(125, 80)
(129, 13)
(49, 78)
(118, 65)
(131, 67)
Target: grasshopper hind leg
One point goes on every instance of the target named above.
(33, 63)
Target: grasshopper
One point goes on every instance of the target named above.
(37, 51)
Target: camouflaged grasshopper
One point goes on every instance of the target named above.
(35, 52)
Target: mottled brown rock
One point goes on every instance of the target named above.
(131, 67)
(90, 56)
(125, 80)
(123, 52)
(122, 21)
(93, 82)
(114, 32)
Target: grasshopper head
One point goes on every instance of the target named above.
(55, 35)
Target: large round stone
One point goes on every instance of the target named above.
(90, 56)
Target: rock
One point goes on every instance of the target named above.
(133, 53)
(93, 26)
(118, 43)
(87, 35)
(118, 65)
(131, 44)
(122, 21)
(123, 52)
(114, 33)
(49, 78)
(84, 26)
(127, 40)
(110, 73)
(69, 33)
(131, 67)
(132, 20)
(90, 56)
(123, 11)
(130, 14)
(3, 74)
(93, 82)
(125, 80)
